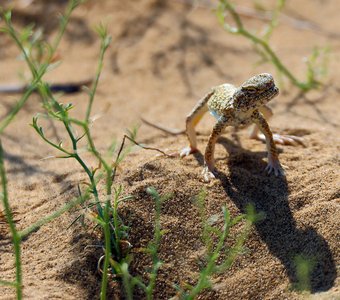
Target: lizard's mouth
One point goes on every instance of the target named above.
(270, 93)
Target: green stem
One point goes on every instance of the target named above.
(209, 269)
(95, 84)
(24, 233)
(32, 87)
(94, 149)
(65, 19)
(11, 31)
(203, 278)
(107, 236)
(237, 248)
(82, 163)
(35, 74)
(93, 183)
(304, 86)
(116, 223)
(274, 19)
(69, 154)
(127, 278)
(8, 283)
(105, 42)
(8, 119)
(274, 58)
(9, 216)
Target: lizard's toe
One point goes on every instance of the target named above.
(208, 175)
(187, 151)
(296, 139)
(278, 139)
(275, 167)
(290, 140)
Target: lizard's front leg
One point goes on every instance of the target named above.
(209, 168)
(273, 160)
(192, 119)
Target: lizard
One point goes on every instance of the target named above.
(238, 106)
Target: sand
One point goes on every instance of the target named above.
(164, 56)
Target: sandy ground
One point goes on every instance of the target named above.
(165, 55)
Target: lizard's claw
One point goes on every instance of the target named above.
(275, 167)
(187, 151)
(208, 174)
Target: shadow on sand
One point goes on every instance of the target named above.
(278, 229)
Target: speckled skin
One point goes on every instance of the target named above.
(237, 106)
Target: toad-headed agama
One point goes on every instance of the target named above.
(238, 106)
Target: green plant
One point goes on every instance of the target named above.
(107, 209)
(315, 67)
(38, 56)
(17, 284)
(37, 70)
(122, 268)
(304, 268)
(33, 49)
(218, 257)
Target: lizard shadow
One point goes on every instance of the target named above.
(284, 239)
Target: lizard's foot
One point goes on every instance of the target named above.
(187, 151)
(291, 140)
(275, 167)
(208, 174)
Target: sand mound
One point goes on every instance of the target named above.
(165, 56)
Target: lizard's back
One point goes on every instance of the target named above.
(221, 101)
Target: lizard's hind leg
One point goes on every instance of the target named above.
(191, 121)
(278, 138)
(209, 168)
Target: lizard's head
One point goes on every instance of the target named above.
(255, 92)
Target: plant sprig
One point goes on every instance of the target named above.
(37, 67)
(214, 239)
(16, 238)
(261, 43)
(113, 228)
(122, 267)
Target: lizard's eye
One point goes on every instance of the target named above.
(250, 89)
